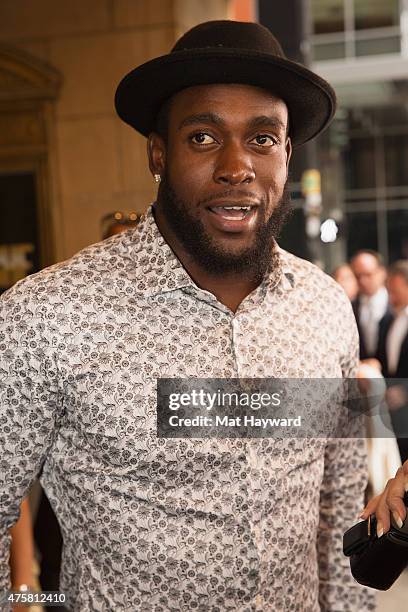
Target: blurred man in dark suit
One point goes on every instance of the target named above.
(393, 350)
(371, 304)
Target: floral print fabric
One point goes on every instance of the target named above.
(152, 524)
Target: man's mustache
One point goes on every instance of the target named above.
(231, 193)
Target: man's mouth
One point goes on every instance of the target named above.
(232, 213)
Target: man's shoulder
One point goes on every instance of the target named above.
(309, 277)
(89, 267)
(320, 294)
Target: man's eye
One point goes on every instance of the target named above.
(264, 140)
(202, 138)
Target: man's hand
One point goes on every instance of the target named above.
(372, 363)
(390, 501)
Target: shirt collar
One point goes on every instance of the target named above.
(379, 298)
(160, 271)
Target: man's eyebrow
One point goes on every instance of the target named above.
(261, 120)
(265, 120)
(202, 118)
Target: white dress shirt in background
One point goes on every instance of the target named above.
(372, 310)
(395, 338)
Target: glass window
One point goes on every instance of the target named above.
(378, 45)
(397, 226)
(396, 159)
(361, 232)
(18, 228)
(328, 16)
(329, 50)
(355, 28)
(359, 163)
(375, 14)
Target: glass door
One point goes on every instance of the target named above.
(19, 244)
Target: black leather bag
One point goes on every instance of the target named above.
(377, 562)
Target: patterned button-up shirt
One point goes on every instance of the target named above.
(155, 524)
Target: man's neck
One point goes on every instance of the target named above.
(230, 289)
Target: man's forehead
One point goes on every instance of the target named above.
(366, 261)
(396, 279)
(251, 101)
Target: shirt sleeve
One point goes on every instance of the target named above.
(342, 499)
(28, 404)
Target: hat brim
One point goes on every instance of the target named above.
(311, 101)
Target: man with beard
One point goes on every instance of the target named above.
(200, 289)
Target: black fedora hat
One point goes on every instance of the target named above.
(227, 52)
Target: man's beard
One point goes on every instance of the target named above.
(251, 262)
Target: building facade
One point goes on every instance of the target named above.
(361, 46)
(66, 159)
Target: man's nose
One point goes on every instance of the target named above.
(234, 166)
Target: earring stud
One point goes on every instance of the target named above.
(157, 178)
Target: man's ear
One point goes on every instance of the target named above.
(156, 152)
(288, 148)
